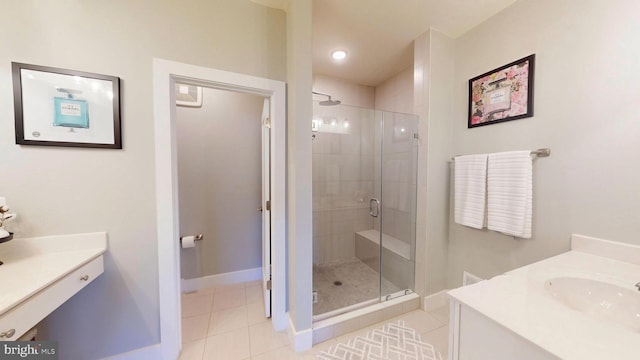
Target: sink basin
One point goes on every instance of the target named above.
(598, 299)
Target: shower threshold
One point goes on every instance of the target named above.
(345, 309)
(362, 315)
(361, 305)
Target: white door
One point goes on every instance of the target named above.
(266, 208)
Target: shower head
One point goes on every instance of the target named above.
(328, 102)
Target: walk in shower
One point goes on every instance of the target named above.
(364, 206)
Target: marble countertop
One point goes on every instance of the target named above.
(32, 264)
(518, 301)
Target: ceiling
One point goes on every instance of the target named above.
(379, 34)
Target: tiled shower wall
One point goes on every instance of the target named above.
(343, 165)
(345, 172)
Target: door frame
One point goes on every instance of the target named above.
(265, 210)
(165, 74)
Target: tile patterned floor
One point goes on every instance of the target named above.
(359, 283)
(228, 323)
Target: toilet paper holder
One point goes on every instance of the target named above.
(196, 238)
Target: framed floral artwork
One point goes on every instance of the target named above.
(503, 94)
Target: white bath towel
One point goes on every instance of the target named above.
(510, 193)
(470, 190)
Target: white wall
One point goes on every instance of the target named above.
(433, 102)
(219, 170)
(586, 93)
(65, 190)
(396, 93)
(347, 92)
(299, 227)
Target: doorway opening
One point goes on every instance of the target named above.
(222, 220)
(166, 75)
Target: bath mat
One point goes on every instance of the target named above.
(393, 341)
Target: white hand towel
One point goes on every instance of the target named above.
(470, 190)
(510, 193)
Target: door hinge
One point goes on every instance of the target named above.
(267, 123)
(269, 284)
(268, 205)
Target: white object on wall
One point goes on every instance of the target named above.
(188, 242)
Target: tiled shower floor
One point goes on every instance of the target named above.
(359, 283)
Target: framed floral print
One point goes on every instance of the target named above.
(503, 94)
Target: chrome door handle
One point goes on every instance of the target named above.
(374, 207)
(638, 286)
(85, 278)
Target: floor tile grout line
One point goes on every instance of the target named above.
(248, 330)
(209, 322)
(249, 336)
(209, 313)
(206, 334)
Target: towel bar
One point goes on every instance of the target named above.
(544, 152)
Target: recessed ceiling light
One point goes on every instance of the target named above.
(339, 55)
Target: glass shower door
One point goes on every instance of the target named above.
(345, 258)
(364, 195)
(398, 187)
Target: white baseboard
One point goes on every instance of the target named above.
(195, 284)
(152, 352)
(300, 340)
(435, 301)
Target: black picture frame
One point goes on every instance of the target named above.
(497, 96)
(60, 107)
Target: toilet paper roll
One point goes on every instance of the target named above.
(188, 242)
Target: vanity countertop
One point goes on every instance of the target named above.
(518, 301)
(33, 264)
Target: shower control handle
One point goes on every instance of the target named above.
(374, 207)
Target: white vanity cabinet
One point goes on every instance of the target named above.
(473, 336)
(40, 274)
(517, 315)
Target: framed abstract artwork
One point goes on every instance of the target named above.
(58, 107)
(503, 94)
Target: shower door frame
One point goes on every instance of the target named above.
(410, 137)
(378, 195)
